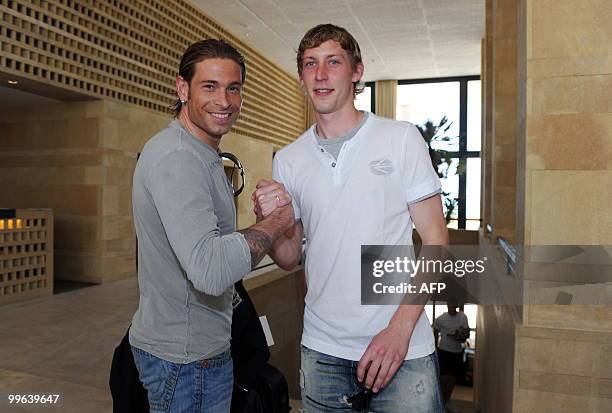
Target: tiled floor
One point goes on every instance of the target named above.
(463, 399)
(64, 344)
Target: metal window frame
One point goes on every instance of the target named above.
(371, 85)
(463, 153)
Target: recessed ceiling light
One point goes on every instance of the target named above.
(248, 34)
(12, 82)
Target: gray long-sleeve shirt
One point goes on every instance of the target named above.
(189, 255)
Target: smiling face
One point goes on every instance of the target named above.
(327, 76)
(213, 99)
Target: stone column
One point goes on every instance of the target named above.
(487, 116)
(563, 361)
(503, 122)
(495, 378)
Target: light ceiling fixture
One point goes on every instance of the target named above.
(12, 82)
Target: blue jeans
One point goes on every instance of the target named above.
(204, 386)
(327, 382)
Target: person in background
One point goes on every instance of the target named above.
(451, 330)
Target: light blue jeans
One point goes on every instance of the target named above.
(204, 386)
(327, 382)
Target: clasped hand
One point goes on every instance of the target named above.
(271, 197)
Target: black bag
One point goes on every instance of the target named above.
(258, 386)
(272, 386)
(249, 346)
(269, 393)
(129, 396)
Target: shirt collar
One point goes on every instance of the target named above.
(175, 124)
(362, 127)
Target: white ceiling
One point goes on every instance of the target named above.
(399, 39)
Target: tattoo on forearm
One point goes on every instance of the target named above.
(259, 244)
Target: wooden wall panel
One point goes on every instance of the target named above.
(129, 51)
(26, 256)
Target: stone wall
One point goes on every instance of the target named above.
(551, 150)
(78, 159)
(563, 362)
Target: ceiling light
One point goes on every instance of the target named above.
(248, 34)
(12, 82)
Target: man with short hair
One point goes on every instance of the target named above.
(355, 178)
(453, 330)
(189, 252)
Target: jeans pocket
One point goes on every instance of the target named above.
(158, 377)
(217, 375)
(326, 382)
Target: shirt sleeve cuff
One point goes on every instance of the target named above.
(424, 197)
(423, 191)
(246, 252)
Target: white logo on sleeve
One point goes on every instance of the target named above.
(381, 167)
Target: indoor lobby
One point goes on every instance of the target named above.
(512, 98)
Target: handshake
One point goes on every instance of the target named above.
(272, 201)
